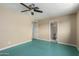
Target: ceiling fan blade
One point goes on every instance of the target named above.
(38, 11)
(25, 5)
(36, 7)
(25, 10)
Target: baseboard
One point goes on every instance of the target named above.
(68, 44)
(46, 40)
(57, 42)
(14, 45)
(42, 39)
(52, 40)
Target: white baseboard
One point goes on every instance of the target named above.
(46, 40)
(52, 40)
(43, 39)
(68, 44)
(14, 45)
(57, 42)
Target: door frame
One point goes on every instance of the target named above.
(50, 39)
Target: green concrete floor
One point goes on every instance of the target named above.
(40, 48)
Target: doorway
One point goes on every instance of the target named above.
(53, 28)
(34, 30)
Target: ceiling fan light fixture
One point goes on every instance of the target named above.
(32, 13)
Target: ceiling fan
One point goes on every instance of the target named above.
(31, 8)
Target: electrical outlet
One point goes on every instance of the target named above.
(9, 42)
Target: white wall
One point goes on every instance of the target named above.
(66, 29)
(15, 27)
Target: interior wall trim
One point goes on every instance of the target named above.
(49, 29)
(42, 39)
(58, 42)
(14, 45)
(67, 44)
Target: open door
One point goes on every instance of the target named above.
(53, 26)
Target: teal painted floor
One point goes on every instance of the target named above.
(40, 48)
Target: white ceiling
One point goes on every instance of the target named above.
(49, 9)
(56, 9)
